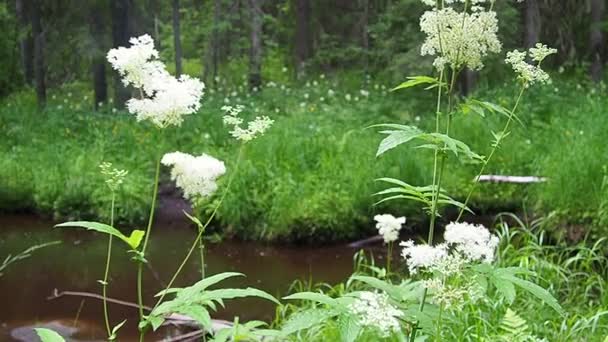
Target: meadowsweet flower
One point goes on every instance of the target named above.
(176, 98)
(374, 310)
(474, 241)
(163, 99)
(196, 176)
(422, 256)
(132, 63)
(530, 73)
(389, 226)
(254, 128)
(459, 38)
(114, 177)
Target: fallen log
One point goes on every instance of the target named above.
(510, 179)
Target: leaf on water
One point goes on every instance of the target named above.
(48, 335)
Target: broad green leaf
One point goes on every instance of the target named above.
(349, 328)
(48, 335)
(315, 297)
(397, 137)
(536, 291)
(505, 287)
(239, 293)
(197, 313)
(133, 240)
(417, 80)
(307, 319)
(203, 284)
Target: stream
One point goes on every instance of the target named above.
(77, 263)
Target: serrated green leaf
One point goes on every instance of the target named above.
(313, 296)
(222, 294)
(400, 135)
(417, 80)
(307, 319)
(197, 313)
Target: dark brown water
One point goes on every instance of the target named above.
(77, 263)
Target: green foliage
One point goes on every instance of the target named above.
(196, 300)
(132, 240)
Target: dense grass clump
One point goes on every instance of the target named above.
(312, 173)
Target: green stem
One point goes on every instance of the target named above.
(201, 247)
(389, 257)
(140, 299)
(106, 273)
(200, 231)
(438, 337)
(494, 149)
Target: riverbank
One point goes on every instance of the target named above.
(312, 176)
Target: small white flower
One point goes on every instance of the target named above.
(254, 128)
(114, 177)
(529, 73)
(374, 310)
(389, 226)
(196, 176)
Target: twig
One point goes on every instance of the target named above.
(56, 294)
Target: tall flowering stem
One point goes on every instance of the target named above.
(140, 265)
(495, 147)
(104, 283)
(201, 230)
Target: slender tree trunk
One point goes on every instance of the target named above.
(177, 38)
(100, 84)
(303, 43)
(597, 40)
(120, 37)
(39, 64)
(213, 51)
(26, 42)
(364, 33)
(532, 23)
(467, 80)
(255, 54)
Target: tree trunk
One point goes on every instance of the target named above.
(532, 23)
(364, 33)
(255, 54)
(467, 80)
(100, 85)
(26, 42)
(177, 38)
(597, 40)
(120, 37)
(303, 43)
(213, 51)
(39, 65)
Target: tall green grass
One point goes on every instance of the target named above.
(311, 176)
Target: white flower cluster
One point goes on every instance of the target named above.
(529, 73)
(254, 128)
(474, 241)
(196, 176)
(389, 226)
(422, 256)
(164, 98)
(114, 177)
(470, 243)
(459, 38)
(452, 297)
(374, 310)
